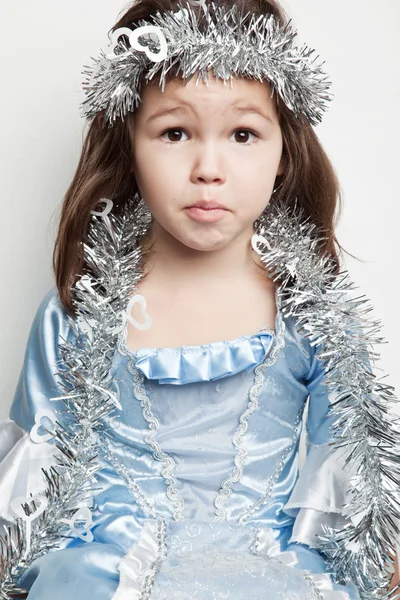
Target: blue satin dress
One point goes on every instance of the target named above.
(200, 495)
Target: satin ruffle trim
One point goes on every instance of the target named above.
(21, 466)
(320, 495)
(139, 569)
(209, 362)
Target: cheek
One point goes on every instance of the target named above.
(152, 167)
(152, 181)
(145, 170)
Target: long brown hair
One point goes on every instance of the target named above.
(105, 166)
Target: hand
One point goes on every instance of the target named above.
(396, 578)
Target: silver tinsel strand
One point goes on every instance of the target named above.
(366, 433)
(260, 49)
(100, 300)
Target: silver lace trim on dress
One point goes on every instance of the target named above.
(130, 483)
(156, 566)
(263, 500)
(167, 461)
(225, 490)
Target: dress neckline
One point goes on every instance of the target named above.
(207, 362)
(180, 349)
(273, 331)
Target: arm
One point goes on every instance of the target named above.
(80, 568)
(396, 576)
(319, 495)
(322, 497)
(26, 447)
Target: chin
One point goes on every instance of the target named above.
(206, 246)
(202, 241)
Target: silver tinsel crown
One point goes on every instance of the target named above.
(230, 43)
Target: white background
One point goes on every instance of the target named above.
(43, 46)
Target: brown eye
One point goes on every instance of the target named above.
(172, 135)
(241, 135)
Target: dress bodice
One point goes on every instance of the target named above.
(210, 428)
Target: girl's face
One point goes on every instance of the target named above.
(213, 143)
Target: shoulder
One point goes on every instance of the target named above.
(51, 312)
(50, 324)
(38, 381)
(50, 327)
(298, 351)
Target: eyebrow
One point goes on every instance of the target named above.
(185, 107)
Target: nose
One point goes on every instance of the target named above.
(208, 163)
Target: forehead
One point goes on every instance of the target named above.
(214, 92)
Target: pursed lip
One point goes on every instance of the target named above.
(207, 205)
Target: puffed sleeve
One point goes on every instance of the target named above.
(323, 495)
(25, 445)
(80, 568)
(320, 493)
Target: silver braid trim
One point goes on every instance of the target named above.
(317, 594)
(156, 566)
(264, 500)
(225, 491)
(130, 483)
(167, 461)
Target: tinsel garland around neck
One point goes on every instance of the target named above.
(319, 300)
(365, 433)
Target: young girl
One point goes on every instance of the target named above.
(153, 444)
